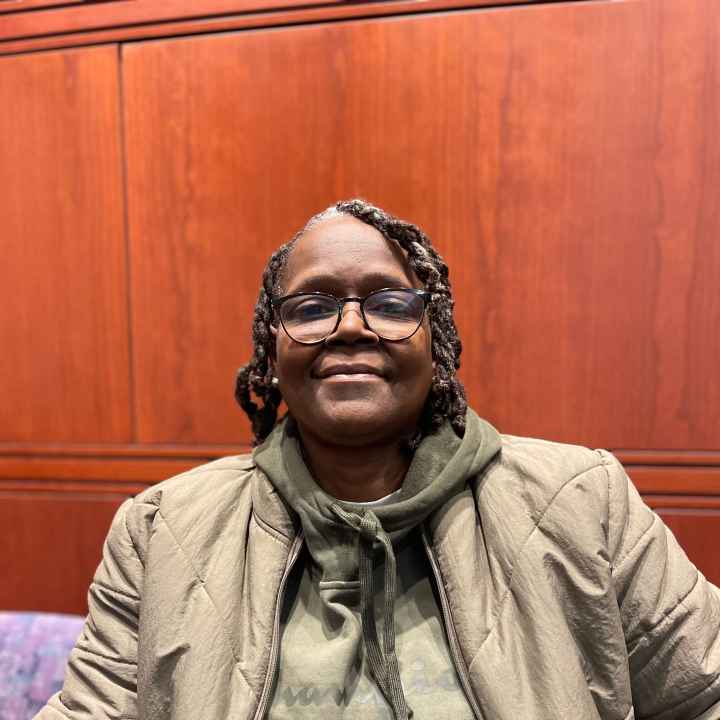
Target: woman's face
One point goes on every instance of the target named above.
(382, 388)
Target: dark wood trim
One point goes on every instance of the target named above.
(64, 495)
(662, 458)
(123, 13)
(10, 487)
(690, 512)
(708, 458)
(9, 6)
(683, 502)
(672, 480)
(120, 451)
(130, 470)
(73, 27)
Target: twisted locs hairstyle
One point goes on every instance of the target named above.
(446, 399)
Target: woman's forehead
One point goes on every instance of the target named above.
(349, 253)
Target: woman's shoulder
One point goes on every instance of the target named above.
(216, 488)
(535, 474)
(548, 456)
(202, 483)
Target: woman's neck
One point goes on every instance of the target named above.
(367, 472)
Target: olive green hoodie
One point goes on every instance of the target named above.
(355, 645)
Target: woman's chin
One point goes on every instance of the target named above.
(356, 422)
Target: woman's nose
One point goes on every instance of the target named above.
(352, 327)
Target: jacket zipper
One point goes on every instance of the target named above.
(275, 642)
(455, 653)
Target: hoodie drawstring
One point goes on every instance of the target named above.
(382, 658)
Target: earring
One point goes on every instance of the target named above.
(274, 382)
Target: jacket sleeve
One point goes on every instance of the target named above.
(101, 678)
(670, 612)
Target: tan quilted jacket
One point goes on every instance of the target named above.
(564, 596)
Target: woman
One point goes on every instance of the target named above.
(384, 553)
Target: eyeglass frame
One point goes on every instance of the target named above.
(341, 302)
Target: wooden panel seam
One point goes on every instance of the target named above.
(100, 16)
(668, 457)
(147, 470)
(65, 495)
(61, 486)
(258, 19)
(685, 502)
(675, 479)
(120, 451)
(122, 144)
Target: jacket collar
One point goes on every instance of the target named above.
(270, 508)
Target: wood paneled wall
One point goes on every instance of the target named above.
(562, 157)
(64, 328)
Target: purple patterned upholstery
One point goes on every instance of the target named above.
(33, 652)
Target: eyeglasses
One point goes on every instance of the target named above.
(391, 313)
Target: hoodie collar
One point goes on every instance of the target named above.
(440, 468)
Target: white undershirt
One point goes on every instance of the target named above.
(387, 500)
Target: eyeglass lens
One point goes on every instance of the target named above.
(390, 314)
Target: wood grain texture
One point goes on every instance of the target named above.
(697, 532)
(560, 156)
(157, 18)
(294, 15)
(61, 537)
(128, 12)
(64, 364)
(597, 252)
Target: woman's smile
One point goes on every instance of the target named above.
(349, 370)
(352, 377)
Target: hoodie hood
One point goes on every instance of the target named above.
(440, 468)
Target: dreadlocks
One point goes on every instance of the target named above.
(446, 399)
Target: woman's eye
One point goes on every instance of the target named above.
(391, 308)
(311, 310)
